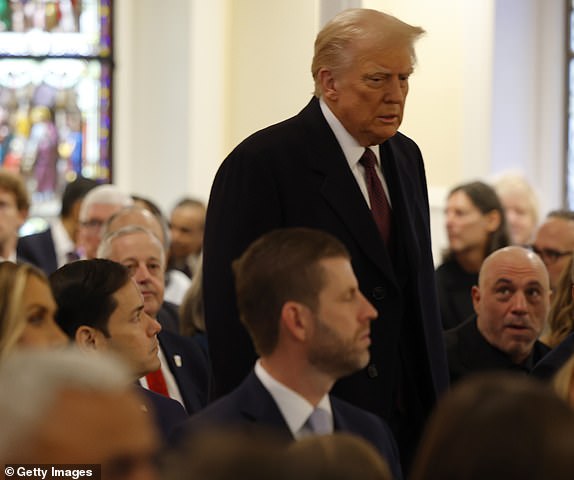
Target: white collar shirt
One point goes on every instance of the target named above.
(353, 153)
(294, 408)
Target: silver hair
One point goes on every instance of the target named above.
(135, 209)
(30, 382)
(104, 194)
(105, 247)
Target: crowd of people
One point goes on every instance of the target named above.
(295, 327)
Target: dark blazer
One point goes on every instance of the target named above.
(555, 359)
(189, 365)
(168, 413)
(295, 174)
(469, 352)
(39, 250)
(454, 287)
(168, 317)
(251, 406)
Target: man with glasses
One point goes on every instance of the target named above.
(99, 204)
(554, 243)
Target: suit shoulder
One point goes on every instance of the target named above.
(359, 416)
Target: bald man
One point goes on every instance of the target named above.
(511, 303)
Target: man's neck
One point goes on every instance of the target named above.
(303, 379)
(7, 251)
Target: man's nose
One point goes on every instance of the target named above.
(142, 273)
(519, 303)
(394, 91)
(369, 312)
(154, 327)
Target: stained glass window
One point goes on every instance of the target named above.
(55, 93)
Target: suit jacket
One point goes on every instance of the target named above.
(295, 174)
(39, 250)
(469, 352)
(251, 406)
(168, 317)
(189, 365)
(555, 359)
(454, 287)
(168, 413)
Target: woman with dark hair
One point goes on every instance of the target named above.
(476, 227)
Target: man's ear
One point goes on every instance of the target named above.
(475, 293)
(328, 84)
(295, 320)
(86, 338)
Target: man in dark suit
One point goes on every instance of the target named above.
(300, 301)
(306, 171)
(101, 309)
(56, 246)
(511, 302)
(184, 365)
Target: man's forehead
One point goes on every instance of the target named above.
(512, 268)
(148, 247)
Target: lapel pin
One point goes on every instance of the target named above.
(177, 360)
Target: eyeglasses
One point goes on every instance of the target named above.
(549, 255)
(94, 224)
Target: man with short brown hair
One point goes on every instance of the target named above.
(300, 302)
(14, 207)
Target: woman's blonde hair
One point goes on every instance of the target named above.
(561, 315)
(562, 381)
(13, 278)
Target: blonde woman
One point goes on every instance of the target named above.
(563, 383)
(561, 316)
(27, 309)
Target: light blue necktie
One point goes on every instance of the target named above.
(319, 422)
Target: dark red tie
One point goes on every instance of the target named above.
(380, 207)
(156, 382)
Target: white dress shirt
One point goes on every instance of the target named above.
(353, 153)
(294, 408)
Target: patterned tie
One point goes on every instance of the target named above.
(380, 207)
(319, 422)
(156, 382)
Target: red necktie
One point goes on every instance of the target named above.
(380, 207)
(156, 382)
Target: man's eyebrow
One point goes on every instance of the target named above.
(503, 280)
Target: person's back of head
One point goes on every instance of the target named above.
(338, 456)
(75, 191)
(84, 291)
(498, 426)
(225, 454)
(61, 406)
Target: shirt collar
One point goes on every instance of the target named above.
(352, 150)
(294, 408)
